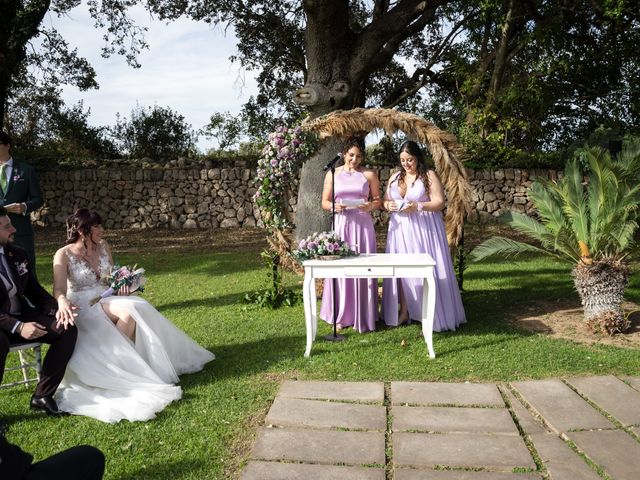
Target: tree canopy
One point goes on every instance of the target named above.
(509, 77)
(521, 75)
(35, 60)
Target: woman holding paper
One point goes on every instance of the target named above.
(415, 198)
(357, 195)
(116, 371)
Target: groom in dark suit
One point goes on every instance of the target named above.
(28, 312)
(20, 194)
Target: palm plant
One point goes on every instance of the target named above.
(589, 222)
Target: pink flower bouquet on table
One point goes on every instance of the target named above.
(119, 277)
(323, 244)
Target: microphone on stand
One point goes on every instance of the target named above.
(332, 163)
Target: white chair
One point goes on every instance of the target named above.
(30, 358)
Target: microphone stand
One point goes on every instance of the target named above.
(334, 337)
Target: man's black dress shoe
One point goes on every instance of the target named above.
(48, 405)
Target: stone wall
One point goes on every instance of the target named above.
(222, 197)
(495, 191)
(149, 198)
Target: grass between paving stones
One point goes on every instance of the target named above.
(208, 434)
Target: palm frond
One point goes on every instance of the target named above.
(628, 161)
(548, 202)
(575, 201)
(525, 224)
(505, 247)
(601, 191)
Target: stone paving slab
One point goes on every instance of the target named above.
(294, 412)
(460, 450)
(433, 393)
(611, 395)
(453, 419)
(414, 474)
(372, 392)
(562, 408)
(614, 450)
(633, 381)
(526, 420)
(320, 446)
(561, 461)
(256, 470)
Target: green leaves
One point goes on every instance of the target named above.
(504, 247)
(601, 210)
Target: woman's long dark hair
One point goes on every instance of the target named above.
(81, 221)
(413, 149)
(353, 142)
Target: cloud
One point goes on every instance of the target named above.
(186, 68)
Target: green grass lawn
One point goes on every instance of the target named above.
(206, 435)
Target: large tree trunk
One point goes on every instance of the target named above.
(309, 214)
(329, 44)
(339, 62)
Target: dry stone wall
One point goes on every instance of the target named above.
(194, 197)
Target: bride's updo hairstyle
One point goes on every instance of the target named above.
(81, 221)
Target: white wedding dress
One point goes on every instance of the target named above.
(111, 378)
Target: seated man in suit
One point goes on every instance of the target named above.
(28, 312)
(78, 463)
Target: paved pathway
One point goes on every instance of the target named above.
(574, 428)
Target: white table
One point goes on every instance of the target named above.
(378, 265)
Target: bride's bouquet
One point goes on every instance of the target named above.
(119, 277)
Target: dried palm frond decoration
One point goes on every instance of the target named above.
(444, 148)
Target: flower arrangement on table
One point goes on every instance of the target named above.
(119, 277)
(277, 167)
(323, 244)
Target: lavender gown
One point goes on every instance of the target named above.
(357, 299)
(421, 232)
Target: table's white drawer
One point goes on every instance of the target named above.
(369, 271)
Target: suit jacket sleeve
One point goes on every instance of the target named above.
(7, 322)
(39, 296)
(35, 199)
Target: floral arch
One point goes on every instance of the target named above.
(289, 147)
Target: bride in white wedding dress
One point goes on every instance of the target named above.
(128, 356)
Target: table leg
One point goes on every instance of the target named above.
(308, 309)
(428, 311)
(313, 303)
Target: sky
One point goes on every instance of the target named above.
(186, 68)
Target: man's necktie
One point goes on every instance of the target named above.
(3, 268)
(3, 178)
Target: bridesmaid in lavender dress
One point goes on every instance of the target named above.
(357, 299)
(415, 198)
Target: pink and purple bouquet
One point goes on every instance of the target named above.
(321, 245)
(119, 277)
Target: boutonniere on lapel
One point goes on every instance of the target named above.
(17, 177)
(21, 267)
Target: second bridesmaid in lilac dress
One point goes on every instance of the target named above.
(357, 299)
(415, 198)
